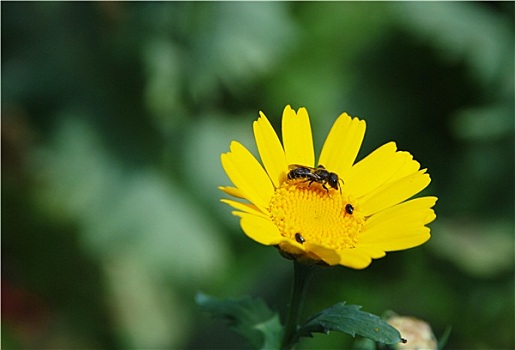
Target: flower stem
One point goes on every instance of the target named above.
(302, 276)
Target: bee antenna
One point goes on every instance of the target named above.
(343, 183)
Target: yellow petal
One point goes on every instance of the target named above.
(355, 258)
(260, 229)
(232, 191)
(326, 254)
(342, 145)
(413, 212)
(245, 207)
(270, 150)
(395, 192)
(373, 252)
(292, 247)
(248, 175)
(399, 239)
(375, 169)
(409, 167)
(297, 137)
(399, 227)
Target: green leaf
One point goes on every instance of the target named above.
(351, 320)
(444, 338)
(251, 318)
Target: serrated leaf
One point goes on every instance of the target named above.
(351, 320)
(250, 317)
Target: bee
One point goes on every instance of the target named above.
(318, 174)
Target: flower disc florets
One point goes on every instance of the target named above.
(309, 213)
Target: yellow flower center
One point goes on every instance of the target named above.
(311, 214)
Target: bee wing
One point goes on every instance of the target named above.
(296, 166)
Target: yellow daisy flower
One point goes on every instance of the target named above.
(342, 213)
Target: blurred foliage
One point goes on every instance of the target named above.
(251, 318)
(114, 116)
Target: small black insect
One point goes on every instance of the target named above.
(299, 238)
(318, 174)
(349, 209)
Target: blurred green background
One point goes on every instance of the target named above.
(114, 116)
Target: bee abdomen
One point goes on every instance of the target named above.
(299, 173)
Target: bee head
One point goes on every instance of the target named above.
(332, 180)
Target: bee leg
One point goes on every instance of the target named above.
(304, 180)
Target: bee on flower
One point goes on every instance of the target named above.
(339, 213)
(319, 175)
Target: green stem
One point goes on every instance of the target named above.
(301, 278)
